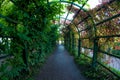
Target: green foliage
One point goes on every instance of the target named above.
(98, 73)
(116, 52)
(7, 7)
(27, 33)
(115, 70)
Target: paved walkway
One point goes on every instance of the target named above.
(60, 66)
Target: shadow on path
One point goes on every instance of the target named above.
(60, 66)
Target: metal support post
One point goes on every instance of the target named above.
(95, 51)
(73, 47)
(79, 47)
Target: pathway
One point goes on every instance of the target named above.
(60, 66)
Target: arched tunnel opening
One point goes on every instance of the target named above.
(73, 30)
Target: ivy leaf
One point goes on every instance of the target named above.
(23, 36)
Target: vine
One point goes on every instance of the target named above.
(26, 32)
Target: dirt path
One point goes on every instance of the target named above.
(60, 66)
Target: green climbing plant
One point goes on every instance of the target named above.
(27, 33)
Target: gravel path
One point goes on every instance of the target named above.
(60, 66)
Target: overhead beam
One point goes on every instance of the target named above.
(68, 2)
